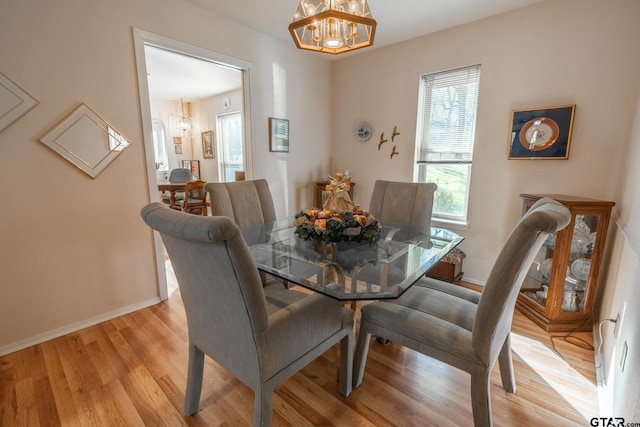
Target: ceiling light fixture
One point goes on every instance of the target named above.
(183, 123)
(333, 26)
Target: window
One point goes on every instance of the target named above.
(230, 158)
(159, 146)
(447, 108)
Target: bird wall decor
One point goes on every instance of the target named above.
(393, 152)
(382, 141)
(395, 133)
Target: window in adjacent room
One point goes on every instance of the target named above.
(447, 108)
(231, 152)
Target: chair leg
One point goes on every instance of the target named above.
(263, 407)
(360, 357)
(505, 360)
(481, 398)
(346, 364)
(194, 380)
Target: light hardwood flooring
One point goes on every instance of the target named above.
(131, 371)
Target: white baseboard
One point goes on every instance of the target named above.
(56, 333)
(474, 281)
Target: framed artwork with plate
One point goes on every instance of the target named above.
(542, 133)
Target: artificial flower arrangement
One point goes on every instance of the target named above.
(340, 220)
(333, 226)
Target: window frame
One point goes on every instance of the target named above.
(427, 83)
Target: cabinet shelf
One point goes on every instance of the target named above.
(560, 288)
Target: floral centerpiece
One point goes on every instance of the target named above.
(340, 220)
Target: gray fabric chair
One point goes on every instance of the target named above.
(180, 175)
(263, 335)
(407, 203)
(247, 203)
(462, 328)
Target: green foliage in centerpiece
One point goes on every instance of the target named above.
(332, 226)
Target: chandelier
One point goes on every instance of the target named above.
(333, 26)
(183, 123)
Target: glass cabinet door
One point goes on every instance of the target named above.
(559, 290)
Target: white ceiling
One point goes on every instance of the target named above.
(398, 20)
(173, 76)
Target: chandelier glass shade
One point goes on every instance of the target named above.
(333, 26)
(183, 123)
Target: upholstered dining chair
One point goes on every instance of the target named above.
(465, 329)
(405, 203)
(194, 200)
(247, 203)
(263, 335)
(409, 204)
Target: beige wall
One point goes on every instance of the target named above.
(585, 53)
(74, 250)
(622, 294)
(582, 52)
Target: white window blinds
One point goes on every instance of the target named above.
(449, 108)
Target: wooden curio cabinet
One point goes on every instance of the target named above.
(559, 291)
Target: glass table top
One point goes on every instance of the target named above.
(350, 271)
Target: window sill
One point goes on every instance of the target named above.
(449, 224)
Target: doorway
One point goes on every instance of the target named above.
(210, 86)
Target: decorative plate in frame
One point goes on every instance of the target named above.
(543, 133)
(86, 140)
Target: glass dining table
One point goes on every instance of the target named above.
(350, 271)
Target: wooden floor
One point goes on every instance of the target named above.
(131, 371)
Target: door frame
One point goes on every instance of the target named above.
(142, 38)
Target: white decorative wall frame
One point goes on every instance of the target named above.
(86, 140)
(14, 102)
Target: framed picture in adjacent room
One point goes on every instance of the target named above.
(278, 135)
(541, 133)
(194, 166)
(208, 147)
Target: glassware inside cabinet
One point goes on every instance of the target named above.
(560, 290)
(536, 283)
(579, 263)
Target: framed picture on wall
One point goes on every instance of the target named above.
(178, 148)
(208, 147)
(278, 135)
(541, 133)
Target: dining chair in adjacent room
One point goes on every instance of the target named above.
(177, 175)
(261, 334)
(465, 329)
(195, 199)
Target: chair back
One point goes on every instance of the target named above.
(407, 203)
(195, 199)
(219, 283)
(180, 175)
(245, 202)
(495, 309)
